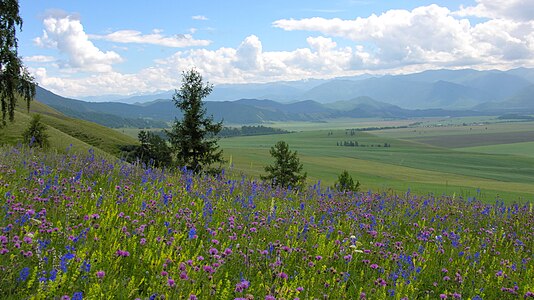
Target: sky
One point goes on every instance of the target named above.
(89, 48)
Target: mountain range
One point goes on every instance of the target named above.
(429, 93)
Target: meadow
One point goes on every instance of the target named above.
(79, 226)
(438, 156)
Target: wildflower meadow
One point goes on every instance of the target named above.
(78, 226)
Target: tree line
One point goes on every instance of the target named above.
(356, 144)
(249, 130)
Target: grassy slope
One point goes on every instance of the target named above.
(65, 131)
(407, 164)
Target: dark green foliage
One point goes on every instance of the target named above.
(194, 137)
(14, 78)
(286, 170)
(153, 150)
(346, 183)
(35, 135)
(250, 131)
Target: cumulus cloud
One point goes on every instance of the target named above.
(522, 10)
(431, 36)
(154, 38)
(66, 34)
(245, 63)
(249, 63)
(396, 41)
(249, 54)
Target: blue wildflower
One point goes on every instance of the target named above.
(24, 274)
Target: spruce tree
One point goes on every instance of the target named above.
(35, 135)
(194, 137)
(286, 170)
(15, 80)
(346, 183)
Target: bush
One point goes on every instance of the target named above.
(35, 135)
(346, 183)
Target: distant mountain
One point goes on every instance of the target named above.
(386, 89)
(497, 84)
(109, 114)
(432, 89)
(444, 94)
(146, 98)
(429, 93)
(523, 99)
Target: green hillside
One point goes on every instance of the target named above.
(65, 131)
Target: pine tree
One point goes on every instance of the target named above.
(286, 170)
(346, 183)
(15, 80)
(35, 135)
(194, 137)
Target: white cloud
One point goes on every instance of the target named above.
(154, 38)
(521, 10)
(39, 59)
(431, 36)
(248, 55)
(397, 41)
(199, 18)
(66, 34)
(246, 63)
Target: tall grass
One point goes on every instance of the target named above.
(80, 226)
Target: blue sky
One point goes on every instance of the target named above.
(82, 48)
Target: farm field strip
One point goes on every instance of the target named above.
(521, 149)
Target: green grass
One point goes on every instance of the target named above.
(65, 131)
(521, 149)
(406, 165)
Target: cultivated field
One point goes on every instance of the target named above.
(429, 158)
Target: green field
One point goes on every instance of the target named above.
(521, 149)
(426, 159)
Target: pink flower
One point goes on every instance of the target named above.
(122, 253)
(100, 274)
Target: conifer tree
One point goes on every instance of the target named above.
(153, 149)
(35, 135)
(346, 183)
(286, 170)
(194, 137)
